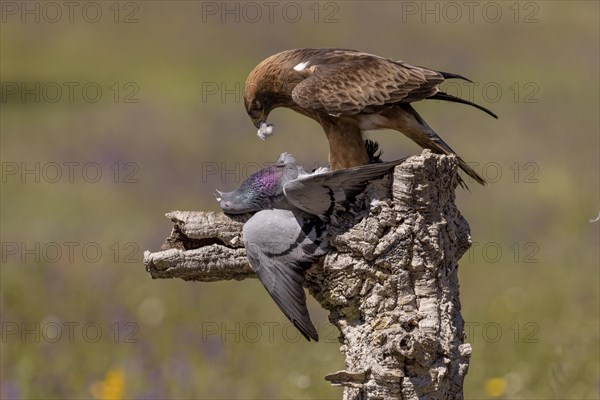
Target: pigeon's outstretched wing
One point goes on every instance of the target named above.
(281, 245)
(317, 194)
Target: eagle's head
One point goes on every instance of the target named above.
(258, 99)
(268, 86)
(258, 108)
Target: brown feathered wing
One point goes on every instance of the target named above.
(362, 83)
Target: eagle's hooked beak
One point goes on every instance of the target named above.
(258, 121)
(258, 116)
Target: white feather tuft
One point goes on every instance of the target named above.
(375, 203)
(301, 66)
(265, 131)
(286, 158)
(320, 170)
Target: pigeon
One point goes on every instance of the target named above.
(289, 229)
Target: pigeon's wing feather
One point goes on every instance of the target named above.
(349, 82)
(317, 194)
(280, 246)
(285, 285)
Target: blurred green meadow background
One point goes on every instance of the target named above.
(114, 113)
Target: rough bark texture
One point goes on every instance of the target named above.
(390, 281)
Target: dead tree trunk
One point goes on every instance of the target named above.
(390, 281)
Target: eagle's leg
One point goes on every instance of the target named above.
(346, 144)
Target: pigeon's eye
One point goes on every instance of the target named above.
(255, 105)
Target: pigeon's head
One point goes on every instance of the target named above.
(238, 202)
(256, 193)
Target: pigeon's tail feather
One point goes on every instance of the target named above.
(448, 97)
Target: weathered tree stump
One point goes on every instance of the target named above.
(390, 280)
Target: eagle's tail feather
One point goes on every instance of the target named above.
(448, 97)
(424, 136)
(450, 75)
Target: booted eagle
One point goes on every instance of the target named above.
(348, 92)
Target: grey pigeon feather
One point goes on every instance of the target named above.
(281, 245)
(288, 231)
(318, 194)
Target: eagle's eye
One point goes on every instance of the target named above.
(255, 110)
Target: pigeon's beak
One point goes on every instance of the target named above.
(218, 195)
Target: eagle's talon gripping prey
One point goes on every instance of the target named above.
(348, 92)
